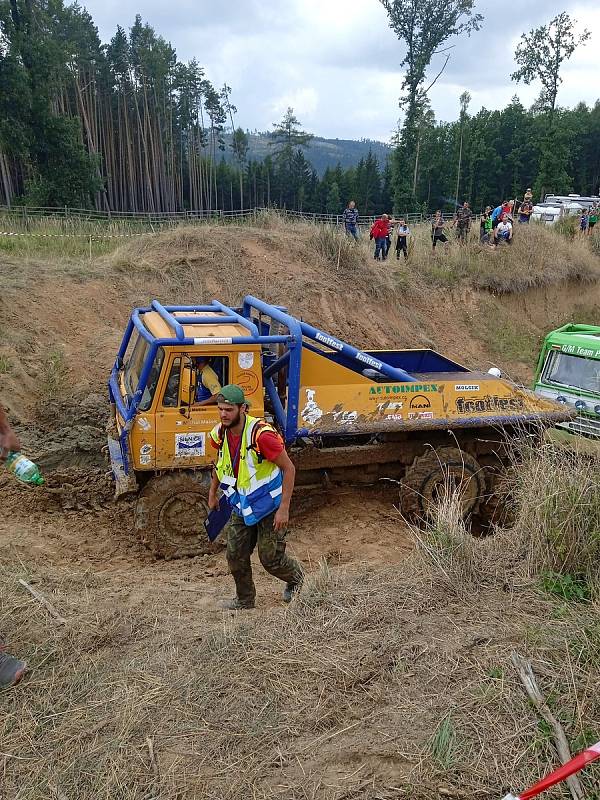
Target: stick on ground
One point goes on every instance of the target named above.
(527, 677)
(41, 599)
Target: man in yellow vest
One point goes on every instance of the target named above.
(256, 475)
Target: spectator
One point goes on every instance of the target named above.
(496, 214)
(437, 230)
(403, 233)
(584, 221)
(350, 220)
(485, 226)
(592, 219)
(525, 211)
(507, 209)
(528, 196)
(388, 238)
(503, 231)
(379, 231)
(462, 220)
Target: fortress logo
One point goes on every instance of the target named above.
(466, 405)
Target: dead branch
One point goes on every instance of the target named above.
(41, 599)
(527, 677)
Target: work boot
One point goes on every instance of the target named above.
(290, 590)
(234, 605)
(11, 670)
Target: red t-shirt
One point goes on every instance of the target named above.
(269, 445)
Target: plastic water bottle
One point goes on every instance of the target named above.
(23, 469)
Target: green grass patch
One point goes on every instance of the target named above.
(443, 744)
(5, 365)
(567, 587)
(504, 336)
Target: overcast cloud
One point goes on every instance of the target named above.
(337, 62)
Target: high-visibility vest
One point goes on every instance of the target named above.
(257, 490)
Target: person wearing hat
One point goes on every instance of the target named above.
(256, 475)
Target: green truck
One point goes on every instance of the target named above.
(568, 371)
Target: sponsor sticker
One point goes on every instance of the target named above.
(189, 445)
(145, 449)
(248, 382)
(144, 423)
(372, 362)
(420, 414)
(345, 417)
(466, 387)
(402, 388)
(329, 340)
(389, 406)
(213, 340)
(489, 403)
(420, 401)
(245, 360)
(145, 459)
(311, 413)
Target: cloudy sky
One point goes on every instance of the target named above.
(337, 62)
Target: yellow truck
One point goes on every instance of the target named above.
(347, 415)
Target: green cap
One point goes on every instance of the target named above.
(232, 394)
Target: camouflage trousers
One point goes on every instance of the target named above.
(241, 541)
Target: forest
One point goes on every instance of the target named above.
(126, 126)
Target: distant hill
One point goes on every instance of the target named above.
(321, 153)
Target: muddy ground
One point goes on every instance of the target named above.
(346, 700)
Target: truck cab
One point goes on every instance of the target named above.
(161, 406)
(568, 371)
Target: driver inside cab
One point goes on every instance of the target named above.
(207, 385)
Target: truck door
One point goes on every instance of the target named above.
(182, 430)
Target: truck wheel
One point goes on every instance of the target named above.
(170, 513)
(497, 508)
(429, 475)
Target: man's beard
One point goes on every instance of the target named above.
(233, 422)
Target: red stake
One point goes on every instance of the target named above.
(570, 768)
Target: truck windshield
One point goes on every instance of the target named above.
(573, 371)
(133, 370)
(134, 364)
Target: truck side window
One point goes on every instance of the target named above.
(171, 394)
(148, 393)
(212, 375)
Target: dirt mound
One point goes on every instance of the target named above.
(66, 489)
(82, 308)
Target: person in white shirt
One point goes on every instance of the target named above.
(503, 231)
(403, 233)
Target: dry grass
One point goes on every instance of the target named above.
(538, 256)
(557, 493)
(375, 684)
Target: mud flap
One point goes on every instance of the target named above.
(124, 484)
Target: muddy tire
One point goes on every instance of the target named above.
(170, 513)
(429, 474)
(497, 507)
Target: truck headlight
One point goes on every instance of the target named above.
(597, 409)
(580, 405)
(561, 399)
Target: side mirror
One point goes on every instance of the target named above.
(187, 387)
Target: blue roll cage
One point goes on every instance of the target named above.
(260, 319)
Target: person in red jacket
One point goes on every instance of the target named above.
(380, 230)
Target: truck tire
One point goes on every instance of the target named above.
(426, 478)
(170, 513)
(497, 508)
